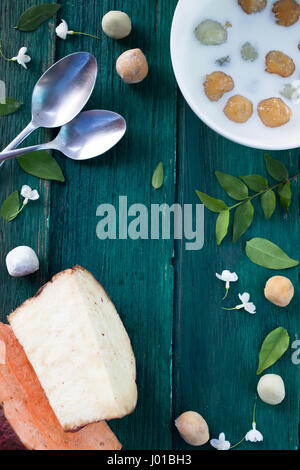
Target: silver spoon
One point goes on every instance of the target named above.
(90, 134)
(61, 93)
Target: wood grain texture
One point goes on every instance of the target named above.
(137, 274)
(31, 227)
(216, 352)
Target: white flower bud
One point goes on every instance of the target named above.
(22, 261)
(271, 389)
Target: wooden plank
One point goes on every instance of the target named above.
(137, 274)
(216, 352)
(30, 228)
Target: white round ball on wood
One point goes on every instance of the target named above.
(22, 261)
(116, 24)
(271, 389)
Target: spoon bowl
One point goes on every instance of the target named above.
(63, 90)
(88, 135)
(61, 93)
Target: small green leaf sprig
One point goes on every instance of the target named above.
(238, 189)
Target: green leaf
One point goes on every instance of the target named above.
(255, 182)
(10, 107)
(273, 348)
(222, 226)
(32, 18)
(42, 165)
(268, 203)
(234, 187)
(212, 204)
(276, 169)
(265, 253)
(10, 207)
(243, 218)
(158, 176)
(285, 195)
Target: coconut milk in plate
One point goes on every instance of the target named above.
(195, 60)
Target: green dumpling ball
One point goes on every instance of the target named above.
(211, 33)
(116, 24)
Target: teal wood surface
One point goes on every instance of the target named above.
(62, 226)
(31, 228)
(137, 274)
(216, 351)
(190, 354)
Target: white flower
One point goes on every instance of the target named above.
(62, 30)
(254, 435)
(22, 58)
(221, 443)
(227, 277)
(29, 194)
(248, 306)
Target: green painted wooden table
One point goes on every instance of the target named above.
(190, 354)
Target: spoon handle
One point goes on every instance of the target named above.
(16, 153)
(25, 133)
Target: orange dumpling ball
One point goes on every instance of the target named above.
(132, 66)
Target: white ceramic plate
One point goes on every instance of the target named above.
(191, 63)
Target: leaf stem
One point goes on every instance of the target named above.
(2, 55)
(260, 193)
(86, 34)
(254, 410)
(238, 443)
(14, 215)
(226, 293)
(21, 208)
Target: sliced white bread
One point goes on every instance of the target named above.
(79, 349)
